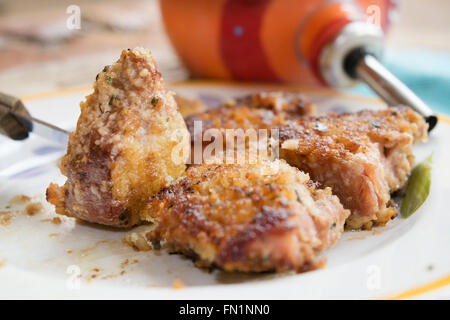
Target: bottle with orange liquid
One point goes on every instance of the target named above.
(334, 43)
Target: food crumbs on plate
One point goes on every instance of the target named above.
(55, 220)
(33, 208)
(178, 284)
(127, 262)
(2, 262)
(19, 200)
(137, 241)
(109, 276)
(5, 217)
(69, 251)
(52, 235)
(85, 252)
(430, 267)
(124, 263)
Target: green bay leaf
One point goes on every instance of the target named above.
(418, 188)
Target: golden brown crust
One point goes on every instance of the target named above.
(342, 135)
(121, 151)
(188, 106)
(55, 195)
(292, 104)
(363, 156)
(257, 111)
(252, 217)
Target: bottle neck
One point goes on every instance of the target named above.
(330, 32)
(332, 58)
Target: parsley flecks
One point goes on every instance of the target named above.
(299, 199)
(155, 101)
(108, 79)
(113, 97)
(333, 225)
(167, 119)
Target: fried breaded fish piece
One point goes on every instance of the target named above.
(256, 111)
(266, 216)
(121, 151)
(362, 156)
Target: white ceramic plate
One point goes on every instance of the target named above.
(38, 259)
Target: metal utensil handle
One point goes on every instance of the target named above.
(11, 124)
(391, 89)
(16, 122)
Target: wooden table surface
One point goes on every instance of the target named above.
(38, 53)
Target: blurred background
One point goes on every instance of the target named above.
(39, 53)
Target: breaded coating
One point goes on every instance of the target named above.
(266, 216)
(257, 111)
(291, 103)
(188, 106)
(362, 156)
(122, 151)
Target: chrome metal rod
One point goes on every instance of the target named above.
(391, 89)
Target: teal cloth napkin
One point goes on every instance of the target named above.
(424, 72)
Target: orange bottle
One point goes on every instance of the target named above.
(267, 40)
